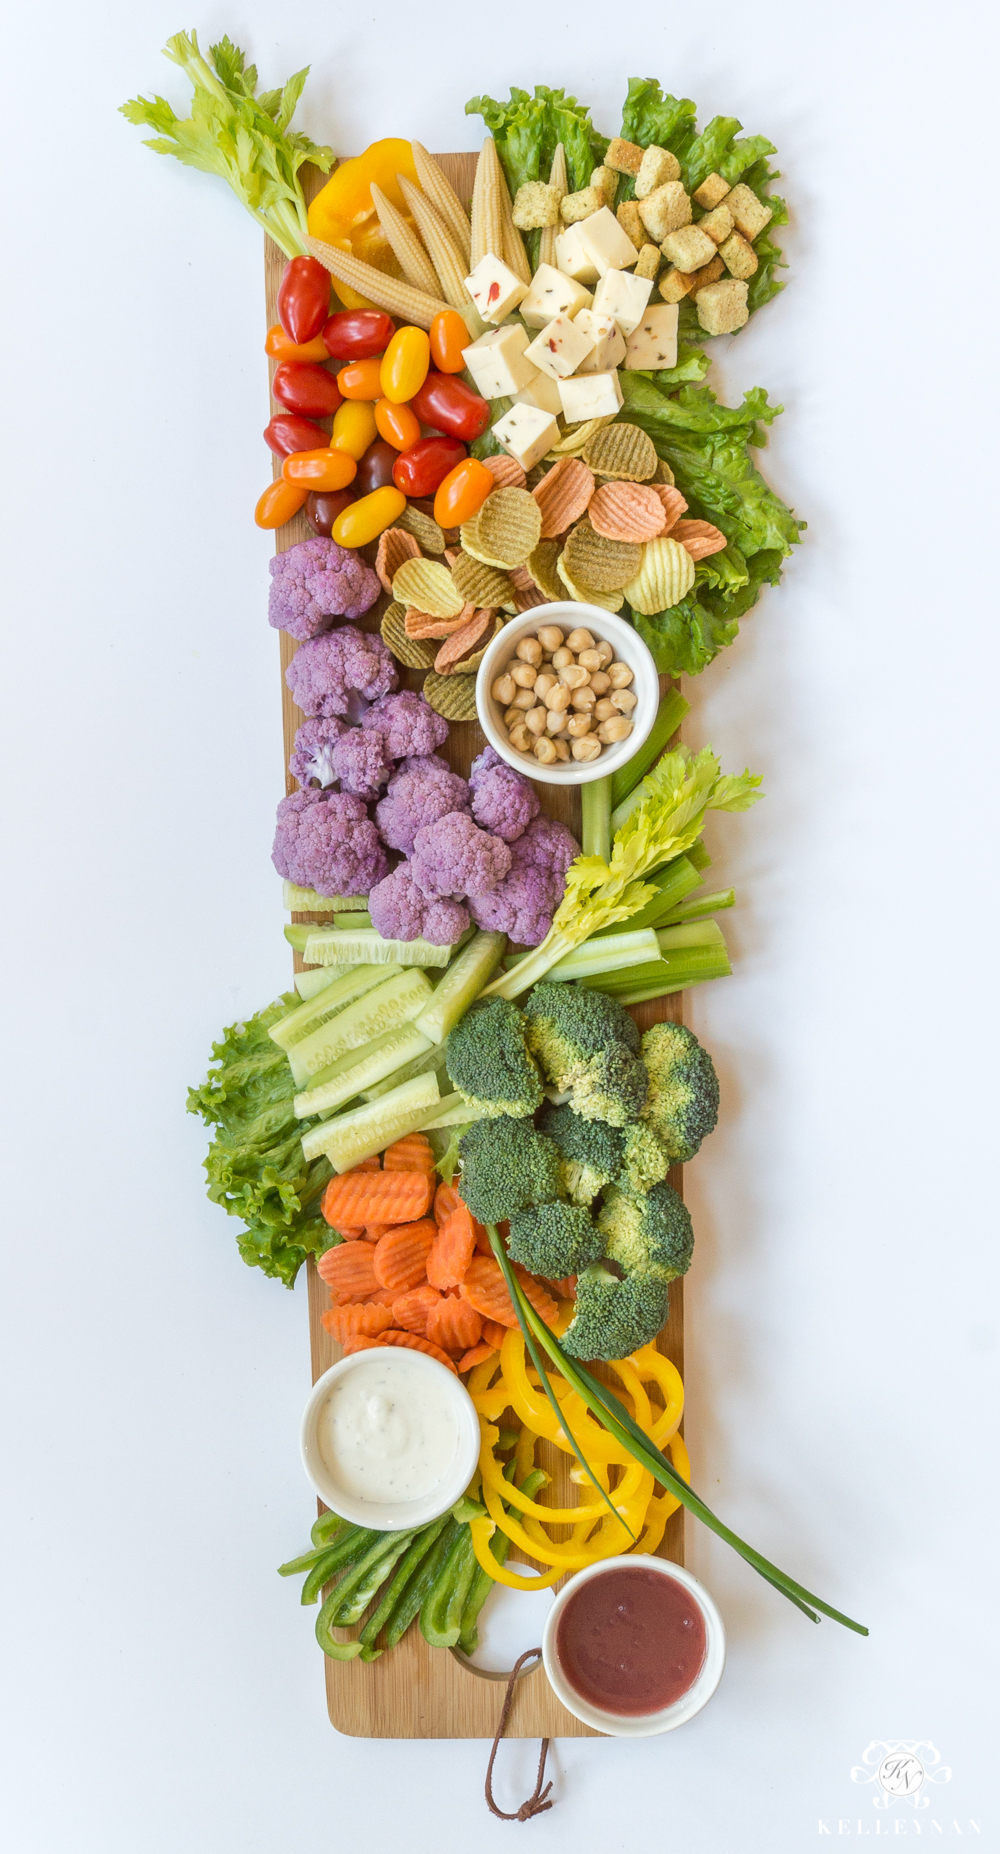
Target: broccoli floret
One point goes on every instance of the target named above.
(614, 1318)
(489, 1062)
(587, 1045)
(682, 1105)
(506, 1166)
(554, 1240)
(647, 1233)
(645, 1160)
(592, 1152)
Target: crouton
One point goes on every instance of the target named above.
(630, 222)
(606, 181)
(657, 167)
(648, 264)
(712, 190)
(749, 214)
(577, 206)
(665, 210)
(739, 257)
(709, 273)
(536, 205)
(688, 248)
(673, 284)
(718, 224)
(624, 157)
(722, 307)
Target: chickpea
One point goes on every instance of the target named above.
(543, 684)
(587, 748)
(550, 637)
(606, 654)
(562, 749)
(625, 700)
(578, 725)
(620, 675)
(520, 738)
(605, 709)
(599, 682)
(583, 699)
(559, 697)
(590, 660)
(561, 657)
(530, 651)
(503, 690)
(535, 720)
(545, 751)
(573, 676)
(618, 729)
(510, 715)
(579, 640)
(555, 720)
(524, 676)
(525, 698)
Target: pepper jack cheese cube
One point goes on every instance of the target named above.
(624, 297)
(560, 348)
(494, 289)
(526, 433)
(572, 259)
(590, 395)
(496, 361)
(654, 343)
(605, 242)
(541, 391)
(609, 343)
(551, 294)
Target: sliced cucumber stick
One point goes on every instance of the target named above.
(354, 1136)
(421, 1065)
(350, 922)
(398, 1001)
(452, 1110)
(305, 1018)
(306, 901)
(316, 979)
(359, 1068)
(461, 985)
(341, 946)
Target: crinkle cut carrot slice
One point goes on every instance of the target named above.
(349, 1272)
(475, 1357)
(485, 1289)
(410, 1310)
(401, 1254)
(410, 1340)
(453, 1250)
(366, 1318)
(412, 1154)
(454, 1325)
(388, 1198)
(446, 1199)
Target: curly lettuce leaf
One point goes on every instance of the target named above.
(255, 1166)
(528, 129)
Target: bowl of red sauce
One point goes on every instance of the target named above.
(634, 1646)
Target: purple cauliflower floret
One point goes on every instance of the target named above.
(420, 762)
(503, 800)
(326, 841)
(400, 912)
(315, 582)
(420, 792)
(341, 672)
(521, 905)
(360, 762)
(312, 759)
(548, 846)
(454, 857)
(409, 723)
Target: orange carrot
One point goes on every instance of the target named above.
(372, 1164)
(347, 1322)
(373, 1231)
(482, 1239)
(485, 1289)
(351, 1232)
(538, 1294)
(401, 1254)
(446, 1199)
(453, 1250)
(410, 1340)
(410, 1310)
(454, 1325)
(564, 1289)
(349, 1272)
(377, 1197)
(476, 1356)
(383, 1297)
(412, 1154)
(493, 1334)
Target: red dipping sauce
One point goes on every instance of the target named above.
(631, 1641)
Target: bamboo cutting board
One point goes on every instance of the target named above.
(417, 1691)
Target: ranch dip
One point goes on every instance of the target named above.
(388, 1431)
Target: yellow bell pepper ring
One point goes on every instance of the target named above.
(405, 364)
(364, 520)
(482, 1531)
(343, 212)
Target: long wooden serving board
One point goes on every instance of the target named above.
(416, 1691)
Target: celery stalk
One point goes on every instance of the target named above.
(699, 907)
(609, 954)
(675, 880)
(669, 716)
(595, 810)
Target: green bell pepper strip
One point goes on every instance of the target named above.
(482, 1583)
(420, 1584)
(324, 1528)
(438, 1625)
(337, 1651)
(358, 1587)
(421, 1545)
(354, 1539)
(331, 1562)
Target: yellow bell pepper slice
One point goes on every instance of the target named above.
(551, 1515)
(482, 1531)
(662, 1505)
(344, 215)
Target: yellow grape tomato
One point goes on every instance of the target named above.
(405, 364)
(367, 518)
(354, 427)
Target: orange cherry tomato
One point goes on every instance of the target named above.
(354, 427)
(463, 493)
(360, 379)
(405, 364)
(320, 470)
(280, 501)
(398, 425)
(281, 347)
(369, 517)
(449, 336)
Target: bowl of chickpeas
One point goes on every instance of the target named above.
(567, 693)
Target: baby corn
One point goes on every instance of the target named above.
(413, 259)
(487, 206)
(558, 178)
(445, 255)
(388, 292)
(444, 199)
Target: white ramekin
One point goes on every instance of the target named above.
(641, 1725)
(629, 648)
(393, 1516)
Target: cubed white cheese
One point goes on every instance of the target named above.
(494, 289)
(623, 296)
(605, 242)
(541, 391)
(551, 294)
(590, 395)
(527, 433)
(571, 257)
(609, 342)
(653, 344)
(560, 348)
(496, 361)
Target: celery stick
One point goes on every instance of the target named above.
(595, 818)
(675, 880)
(354, 1136)
(297, 933)
(461, 985)
(396, 1002)
(421, 1065)
(336, 947)
(347, 921)
(699, 907)
(358, 1068)
(306, 901)
(302, 1019)
(690, 955)
(610, 954)
(670, 714)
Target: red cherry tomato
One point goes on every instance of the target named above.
(286, 434)
(362, 379)
(449, 336)
(279, 503)
(462, 493)
(304, 298)
(449, 405)
(281, 346)
(356, 334)
(324, 505)
(419, 470)
(308, 390)
(396, 424)
(375, 467)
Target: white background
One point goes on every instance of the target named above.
(162, 1688)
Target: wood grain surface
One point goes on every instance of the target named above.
(417, 1691)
